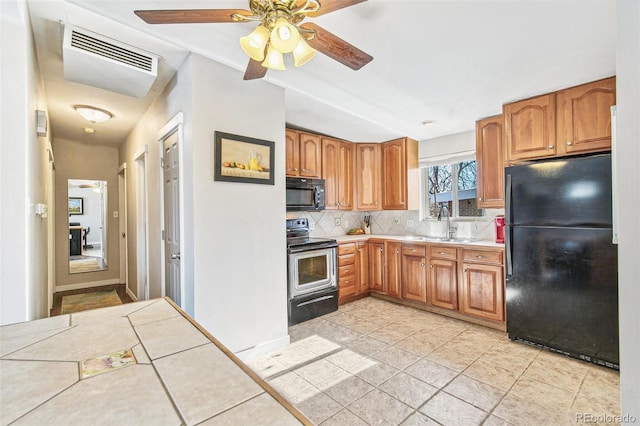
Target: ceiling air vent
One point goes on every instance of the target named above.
(102, 62)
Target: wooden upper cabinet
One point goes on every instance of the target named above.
(303, 152)
(337, 171)
(400, 175)
(530, 128)
(310, 155)
(292, 147)
(584, 117)
(490, 162)
(367, 177)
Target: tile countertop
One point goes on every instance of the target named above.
(417, 239)
(138, 363)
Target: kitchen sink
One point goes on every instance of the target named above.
(438, 239)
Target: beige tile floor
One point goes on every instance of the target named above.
(378, 363)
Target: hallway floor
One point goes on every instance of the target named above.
(374, 362)
(57, 297)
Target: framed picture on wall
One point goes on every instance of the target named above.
(243, 159)
(76, 205)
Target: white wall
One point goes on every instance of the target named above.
(23, 171)
(239, 229)
(628, 181)
(235, 255)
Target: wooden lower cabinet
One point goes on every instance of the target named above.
(443, 283)
(346, 271)
(376, 267)
(414, 272)
(362, 267)
(393, 268)
(482, 288)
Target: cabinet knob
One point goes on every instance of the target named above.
(569, 143)
(480, 198)
(465, 270)
(442, 252)
(401, 202)
(295, 169)
(551, 146)
(481, 257)
(381, 250)
(375, 203)
(414, 250)
(397, 251)
(422, 264)
(431, 266)
(304, 170)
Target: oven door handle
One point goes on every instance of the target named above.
(319, 299)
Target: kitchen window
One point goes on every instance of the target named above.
(449, 188)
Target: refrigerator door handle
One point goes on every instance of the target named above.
(507, 228)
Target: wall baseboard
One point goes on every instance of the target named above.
(89, 284)
(131, 295)
(263, 348)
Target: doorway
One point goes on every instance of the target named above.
(122, 224)
(142, 225)
(170, 160)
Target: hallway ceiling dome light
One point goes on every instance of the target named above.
(93, 114)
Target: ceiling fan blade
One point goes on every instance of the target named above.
(254, 70)
(189, 16)
(327, 6)
(336, 48)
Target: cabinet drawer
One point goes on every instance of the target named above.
(349, 248)
(348, 281)
(346, 259)
(443, 252)
(414, 250)
(343, 271)
(482, 256)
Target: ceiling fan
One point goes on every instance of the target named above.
(279, 31)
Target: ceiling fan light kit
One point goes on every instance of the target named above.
(279, 32)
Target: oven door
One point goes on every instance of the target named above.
(312, 271)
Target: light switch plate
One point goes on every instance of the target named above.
(337, 221)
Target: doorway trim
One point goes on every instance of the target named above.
(123, 228)
(142, 223)
(175, 125)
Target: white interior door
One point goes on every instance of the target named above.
(171, 184)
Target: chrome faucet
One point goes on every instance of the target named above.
(450, 229)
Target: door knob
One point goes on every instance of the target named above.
(175, 255)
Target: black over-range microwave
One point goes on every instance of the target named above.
(305, 194)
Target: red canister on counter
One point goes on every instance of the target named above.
(499, 228)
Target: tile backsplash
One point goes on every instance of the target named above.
(331, 223)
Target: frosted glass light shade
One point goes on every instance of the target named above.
(284, 36)
(302, 53)
(92, 114)
(254, 44)
(274, 59)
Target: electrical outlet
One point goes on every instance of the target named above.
(346, 223)
(409, 224)
(337, 221)
(396, 220)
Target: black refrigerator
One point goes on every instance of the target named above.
(561, 264)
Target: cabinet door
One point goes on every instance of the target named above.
(442, 284)
(482, 291)
(394, 174)
(345, 176)
(330, 164)
(292, 149)
(530, 128)
(414, 278)
(584, 117)
(362, 268)
(310, 155)
(490, 162)
(393, 268)
(376, 267)
(367, 176)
